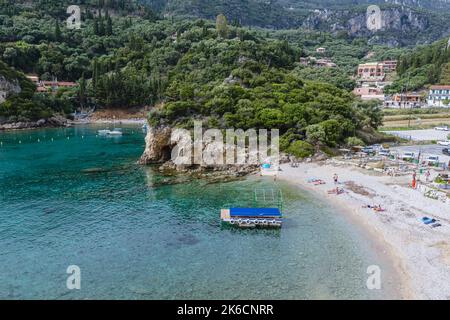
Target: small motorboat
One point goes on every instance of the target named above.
(115, 132)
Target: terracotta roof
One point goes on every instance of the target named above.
(59, 83)
(66, 84)
(442, 87)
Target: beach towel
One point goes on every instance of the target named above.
(436, 225)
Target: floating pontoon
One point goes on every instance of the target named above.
(255, 216)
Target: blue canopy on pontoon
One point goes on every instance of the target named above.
(255, 212)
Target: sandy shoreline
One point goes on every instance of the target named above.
(420, 254)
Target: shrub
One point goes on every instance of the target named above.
(327, 132)
(301, 149)
(354, 141)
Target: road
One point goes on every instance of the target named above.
(421, 135)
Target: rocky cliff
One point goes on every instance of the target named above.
(400, 26)
(407, 22)
(8, 88)
(158, 150)
(158, 146)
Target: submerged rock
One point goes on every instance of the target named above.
(93, 170)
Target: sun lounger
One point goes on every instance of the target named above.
(340, 191)
(433, 223)
(427, 220)
(436, 225)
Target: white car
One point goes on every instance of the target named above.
(384, 152)
(376, 147)
(433, 160)
(442, 128)
(408, 156)
(444, 143)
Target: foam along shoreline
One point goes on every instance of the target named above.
(420, 254)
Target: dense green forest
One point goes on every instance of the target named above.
(27, 105)
(125, 55)
(423, 66)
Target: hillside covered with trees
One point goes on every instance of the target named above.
(423, 66)
(125, 56)
(407, 22)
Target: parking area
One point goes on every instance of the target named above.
(425, 151)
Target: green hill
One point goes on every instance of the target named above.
(423, 66)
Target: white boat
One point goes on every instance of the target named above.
(115, 132)
(103, 132)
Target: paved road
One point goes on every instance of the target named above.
(421, 135)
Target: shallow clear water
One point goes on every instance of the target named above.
(69, 197)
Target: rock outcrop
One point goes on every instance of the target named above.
(8, 88)
(55, 121)
(159, 147)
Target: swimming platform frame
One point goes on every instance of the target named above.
(267, 216)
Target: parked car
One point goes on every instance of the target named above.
(432, 160)
(384, 152)
(442, 128)
(376, 147)
(444, 143)
(408, 156)
(368, 150)
(446, 152)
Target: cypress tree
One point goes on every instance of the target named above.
(57, 31)
(101, 28)
(82, 91)
(96, 31)
(109, 27)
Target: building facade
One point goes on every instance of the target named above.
(439, 96)
(372, 71)
(390, 65)
(405, 101)
(49, 86)
(369, 93)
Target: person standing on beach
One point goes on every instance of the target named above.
(427, 176)
(335, 178)
(414, 180)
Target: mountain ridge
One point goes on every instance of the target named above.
(408, 22)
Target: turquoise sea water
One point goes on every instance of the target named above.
(69, 197)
